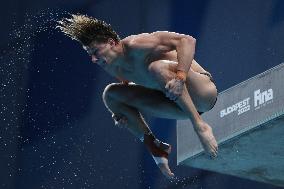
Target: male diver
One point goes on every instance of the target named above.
(158, 75)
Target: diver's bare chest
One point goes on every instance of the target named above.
(133, 70)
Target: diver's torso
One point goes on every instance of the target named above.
(135, 66)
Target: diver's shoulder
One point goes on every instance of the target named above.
(132, 38)
(136, 41)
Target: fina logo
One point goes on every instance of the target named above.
(262, 98)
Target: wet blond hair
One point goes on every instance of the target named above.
(85, 29)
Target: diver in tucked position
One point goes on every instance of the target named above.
(158, 75)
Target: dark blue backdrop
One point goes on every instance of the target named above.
(55, 130)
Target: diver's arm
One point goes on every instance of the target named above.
(162, 42)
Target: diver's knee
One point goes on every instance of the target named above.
(161, 72)
(154, 67)
(159, 66)
(110, 91)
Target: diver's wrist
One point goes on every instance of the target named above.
(181, 75)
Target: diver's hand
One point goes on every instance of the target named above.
(174, 88)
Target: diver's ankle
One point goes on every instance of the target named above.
(201, 126)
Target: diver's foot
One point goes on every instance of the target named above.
(207, 139)
(164, 166)
(160, 152)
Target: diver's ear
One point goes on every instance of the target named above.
(111, 41)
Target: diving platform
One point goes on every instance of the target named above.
(248, 123)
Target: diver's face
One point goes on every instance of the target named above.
(98, 52)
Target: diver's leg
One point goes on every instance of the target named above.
(197, 88)
(202, 129)
(153, 102)
(129, 116)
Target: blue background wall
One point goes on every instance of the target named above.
(55, 130)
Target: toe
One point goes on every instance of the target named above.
(166, 170)
(214, 154)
